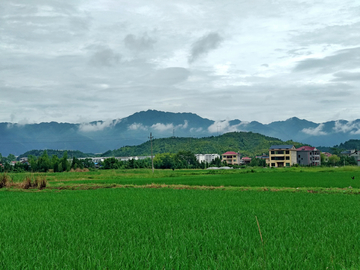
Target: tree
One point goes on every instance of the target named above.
(111, 163)
(333, 159)
(11, 157)
(216, 162)
(64, 162)
(186, 159)
(43, 162)
(164, 161)
(55, 163)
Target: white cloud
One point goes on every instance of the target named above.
(97, 126)
(137, 126)
(162, 127)
(196, 129)
(184, 126)
(315, 131)
(224, 126)
(353, 128)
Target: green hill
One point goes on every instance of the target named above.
(247, 143)
(58, 153)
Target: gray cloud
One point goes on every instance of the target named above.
(142, 50)
(342, 59)
(167, 76)
(139, 43)
(104, 57)
(344, 34)
(346, 76)
(203, 45)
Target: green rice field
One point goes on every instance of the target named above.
(170, 228)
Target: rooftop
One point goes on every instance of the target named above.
(230, 153)
(306, 148)
(281, 147)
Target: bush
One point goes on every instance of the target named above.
(4, 180)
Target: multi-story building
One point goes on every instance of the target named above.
(231, 158)
(308, 156)
(282, 155)
(206, 157)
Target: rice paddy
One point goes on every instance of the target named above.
(168, 228)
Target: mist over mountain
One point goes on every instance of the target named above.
(101, 136)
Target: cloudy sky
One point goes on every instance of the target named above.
(265, 60)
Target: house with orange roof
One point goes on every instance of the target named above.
(231, 158)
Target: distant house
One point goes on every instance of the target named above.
(308, 156)
(245, 160)
(353, 153)
(356, 155)
(282, 155)
(206, 157)
(231, 158)
(266, 157)
(326, 156)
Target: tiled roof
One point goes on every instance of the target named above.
(327, 154)
(230, 153)
(247, 158)
(281, 146)
(306, 148)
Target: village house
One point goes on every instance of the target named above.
(282, 155)
(308, 156)
(231, 158)
(245, 160)
(353, 153)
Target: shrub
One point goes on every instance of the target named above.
(4, 180)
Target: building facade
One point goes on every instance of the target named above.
(282, 155)
(308, 156)
(231, 158)
(206, 157)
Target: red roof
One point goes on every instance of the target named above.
(306, 148)
(230, 153)
(247, 158)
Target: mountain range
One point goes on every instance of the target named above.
(101, 136)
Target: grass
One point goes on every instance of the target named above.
(177, 229)
(182, 219)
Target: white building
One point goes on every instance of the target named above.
(206, 157)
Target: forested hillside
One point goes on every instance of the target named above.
(247, 143)
(58, 153)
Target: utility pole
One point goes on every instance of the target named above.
(152, 160)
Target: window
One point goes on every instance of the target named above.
(287, 158)
(272, 164)
(272, 152)
(280, 152)
(287, 164)
(287, 152)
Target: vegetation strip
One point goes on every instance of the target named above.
(348, 190)
(163, 228)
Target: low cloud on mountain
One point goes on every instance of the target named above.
(318, 131)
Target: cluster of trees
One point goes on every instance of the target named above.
(335, 160)
(44, 163)
(180, 160)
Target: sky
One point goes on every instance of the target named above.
(262, 60)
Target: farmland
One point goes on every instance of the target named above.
(196, 228)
